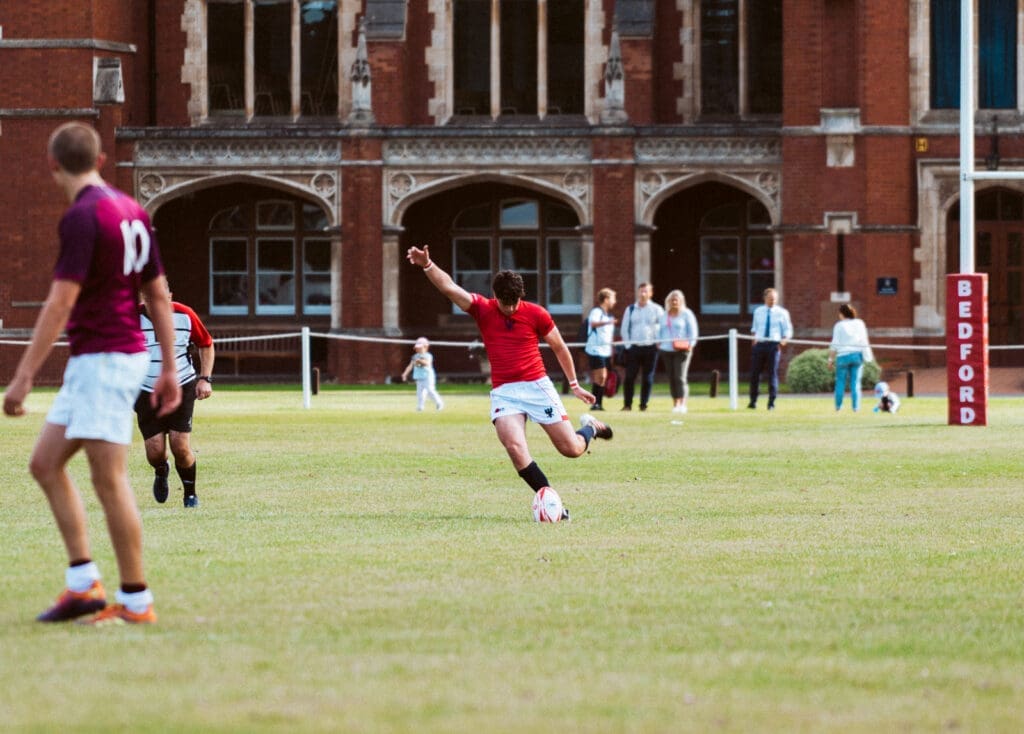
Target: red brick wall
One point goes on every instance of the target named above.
(391, 98)
(667, 53)
(639, 82)
(614, 237)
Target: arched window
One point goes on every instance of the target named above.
(536, 238)
(270, 258)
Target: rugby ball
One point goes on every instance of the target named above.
(547, 505)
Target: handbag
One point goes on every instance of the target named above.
(680, 345)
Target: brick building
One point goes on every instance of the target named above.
(290, 151)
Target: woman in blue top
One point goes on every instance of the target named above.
(676, 340)
(600, 334)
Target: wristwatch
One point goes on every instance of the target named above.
(207, 378)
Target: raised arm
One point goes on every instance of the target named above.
(441, 280)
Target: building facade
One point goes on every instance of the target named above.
(289, 151)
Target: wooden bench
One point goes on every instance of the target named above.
(253, 344)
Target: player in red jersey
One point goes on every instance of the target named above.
(107, 255)
(511, 329)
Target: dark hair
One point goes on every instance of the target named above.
(75, 147)
(508, 287)
(848, 311)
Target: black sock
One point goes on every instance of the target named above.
(188, 478)
(598, 391)
(132, 588)
(588, 433)
(162, 469)
(79, 562)
(533, 476)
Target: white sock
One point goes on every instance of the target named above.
(137, 601)
(80, 578)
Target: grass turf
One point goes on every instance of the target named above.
(362, 567)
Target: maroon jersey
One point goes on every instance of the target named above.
(512, 341)
(106, 246)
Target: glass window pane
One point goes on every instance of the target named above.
(230, 291)
(272, 29)
(720, 293)
(519, 254)
(997, 54)
(720, 253)
(275, 289)
(764, 56)
(475, 217)
(761, 253)
(319, 45)
(317, 256)
(519, 215)
(275, 215)
(564, 254)
(719, 57)
(558, 215)
(945, 54)
(225, 57)
(565, 289)
(231, 219)
(316, 294)
(565, 57)
(475, 282)
(472, 57)
(472, 254)
(229, 255)
(275, 255)
(314, 218)
(755, 292)
(518, 57)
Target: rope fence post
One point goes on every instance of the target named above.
(305, 368)
(734, 372)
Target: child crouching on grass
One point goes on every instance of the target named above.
(422, 367)
(888, 401)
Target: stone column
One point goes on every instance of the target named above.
(390, 262)
(250, 59)
(542, 58)
(336, 266)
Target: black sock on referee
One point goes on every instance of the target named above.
(533, 476)
(188, 478)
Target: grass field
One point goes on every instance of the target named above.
(361, 567)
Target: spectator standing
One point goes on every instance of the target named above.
(848, 352)
(640, 327)
(771, 328)
(600, 335)
(676, 340)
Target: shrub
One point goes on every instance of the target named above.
(809, 372)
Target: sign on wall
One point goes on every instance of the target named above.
(967, 348)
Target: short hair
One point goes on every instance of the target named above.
(604, 294)
(75, 147)
(848, 311)
(508, 287)
(645, 284)
(769, 290)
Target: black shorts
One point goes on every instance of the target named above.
(179, 421)
(598, 363)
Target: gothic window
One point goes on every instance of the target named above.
(537, 239)
(536, 69)
(737, 258)
(283, 79)
(997, 54)
(740, 57)
(269, 258)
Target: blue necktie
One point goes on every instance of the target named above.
(767, 323)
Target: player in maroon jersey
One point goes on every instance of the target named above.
(511, 329)
(107, 255)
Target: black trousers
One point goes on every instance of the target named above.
(640, 361)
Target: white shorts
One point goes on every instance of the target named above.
(98, 396)
(538, 400)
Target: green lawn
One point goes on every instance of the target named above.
(361, 567)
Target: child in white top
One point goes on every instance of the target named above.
(422, 367)
(888, 401)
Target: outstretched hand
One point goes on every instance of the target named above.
(418, 256)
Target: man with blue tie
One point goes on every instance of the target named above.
(771, 329)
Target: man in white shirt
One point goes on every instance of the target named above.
(640, 325)
(771, 328)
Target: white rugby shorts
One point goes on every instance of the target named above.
(98, 396)
(538, 400)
